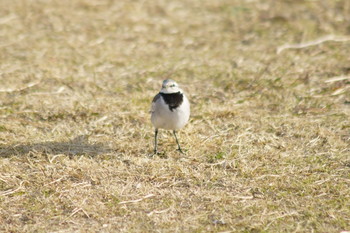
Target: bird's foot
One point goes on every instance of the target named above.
(160, 154)
(155, 152)
(181, 151)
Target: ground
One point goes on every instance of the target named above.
(267, 145)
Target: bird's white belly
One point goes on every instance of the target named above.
(162, 117)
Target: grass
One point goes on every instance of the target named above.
(268, 143)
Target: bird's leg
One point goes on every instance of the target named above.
(177, 141)
(155, 141)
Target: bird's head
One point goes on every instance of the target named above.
(170, 86)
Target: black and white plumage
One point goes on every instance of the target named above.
(170, 110)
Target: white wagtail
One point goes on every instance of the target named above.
(170, 110)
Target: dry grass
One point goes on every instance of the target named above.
(269, 138)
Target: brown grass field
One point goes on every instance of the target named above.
(267, 146)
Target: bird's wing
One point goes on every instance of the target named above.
(155, 99)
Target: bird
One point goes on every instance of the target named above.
(170, 110)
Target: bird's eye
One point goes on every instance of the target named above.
(172, 85)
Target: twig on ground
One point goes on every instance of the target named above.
(12, 191)
(337, 79)
(9, 192)
(340, 91)
(59, 91)
(244, 197)
(157, 212)
(9, 90)
(137, 200)
(313, 42)
(76, 210)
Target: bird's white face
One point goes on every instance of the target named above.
(170, 86)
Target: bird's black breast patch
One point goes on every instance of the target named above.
(173, 100)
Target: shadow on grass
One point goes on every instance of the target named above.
(77, 146)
